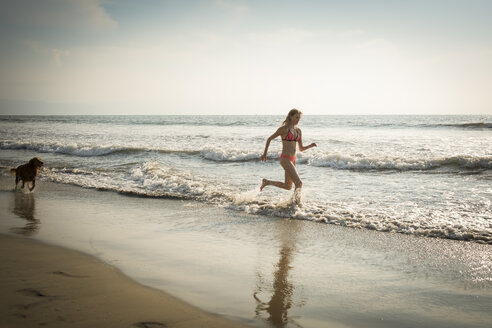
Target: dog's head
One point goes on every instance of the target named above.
(36, 162)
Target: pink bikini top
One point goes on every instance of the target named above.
(290, 136)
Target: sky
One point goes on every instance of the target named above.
(245, 57)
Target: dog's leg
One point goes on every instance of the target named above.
(33, 185)
(16, 182)
(22, 187)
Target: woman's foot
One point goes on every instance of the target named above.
(263, 184)
(296, 198)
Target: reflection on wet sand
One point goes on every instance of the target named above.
(282, 297)
(24, 207)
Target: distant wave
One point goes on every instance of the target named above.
(472, 126)
(419, 125)
(210, 153)
(345, 162)
(392, 122)
(75, 150)
(154, 179)
(334, 161)
(168, 120)
(86, 150)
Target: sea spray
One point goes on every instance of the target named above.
(426, 176)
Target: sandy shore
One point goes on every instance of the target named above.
(228, 268)
(42, 285)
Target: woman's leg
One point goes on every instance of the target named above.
(291, 173)
(291, 176)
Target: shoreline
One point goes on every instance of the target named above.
(48, 285)
(245, 269)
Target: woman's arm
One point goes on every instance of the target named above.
(301, 146)
(273, 136)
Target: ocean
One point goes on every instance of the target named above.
(418, 175)
(393, 227)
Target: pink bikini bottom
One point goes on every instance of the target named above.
(292, 158)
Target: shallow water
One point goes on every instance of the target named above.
(260, 270)
(417, 175)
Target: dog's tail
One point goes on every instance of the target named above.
(13, 171)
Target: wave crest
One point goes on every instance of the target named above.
(154, 179)
(452, 164)
(345, 162)
(67, 149)
(473, 125)
(228, 155)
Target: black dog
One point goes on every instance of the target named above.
(27, 172)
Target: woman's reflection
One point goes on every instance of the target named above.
(281, 299)
(24, 207)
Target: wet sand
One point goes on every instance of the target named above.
(43, 285)
(254, 270)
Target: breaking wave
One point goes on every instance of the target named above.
(85, 150)
(475, 125)
(344, 162)
(329, 160)
(154, 179)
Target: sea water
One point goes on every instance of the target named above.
(419, 175)
(354, 252)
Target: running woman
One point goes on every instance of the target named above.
(291, 135)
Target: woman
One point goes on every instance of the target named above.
(291, 135)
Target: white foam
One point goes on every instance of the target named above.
(230, 155)
(155, 179)
(167, 161)
(353, 162)
(83, 150)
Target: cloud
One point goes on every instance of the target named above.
(86, 15)
(285, 35)
(232, 6)
(44, 52)
(33, 46)
(352, 33)
(57, 55)
(377, 43)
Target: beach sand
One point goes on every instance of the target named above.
(232, 268)
(43, 285)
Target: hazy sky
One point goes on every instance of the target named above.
(246, 57)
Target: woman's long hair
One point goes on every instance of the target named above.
(292, 112)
